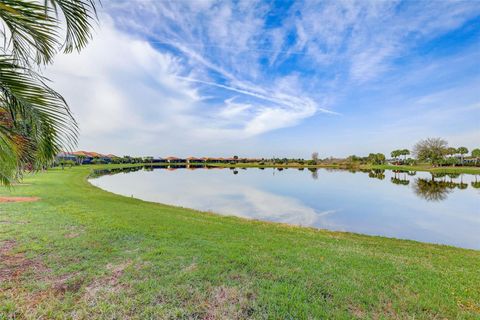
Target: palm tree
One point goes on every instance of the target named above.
(405, 153)
(451, 151)
(35, 121)
(394, 154)
(476, 155)
(462, 151)
(81, 158)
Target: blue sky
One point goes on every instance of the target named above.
(276, 78)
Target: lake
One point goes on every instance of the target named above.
(443, 209)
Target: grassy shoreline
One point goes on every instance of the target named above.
(425, 168)
(84, 252)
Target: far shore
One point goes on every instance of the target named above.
(425, 168)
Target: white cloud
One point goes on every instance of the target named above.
(126, 94)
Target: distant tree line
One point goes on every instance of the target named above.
(437, 152)
(434, 151)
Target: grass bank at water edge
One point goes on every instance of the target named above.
(80, 252)
(426, 168)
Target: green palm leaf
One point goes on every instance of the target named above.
(35, 121)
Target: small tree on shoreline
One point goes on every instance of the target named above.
(315, 157)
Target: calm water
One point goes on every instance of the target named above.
(417, 206)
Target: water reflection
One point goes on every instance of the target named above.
(436, 188)
(400, 178)
(376, 173)
(431, 190)
(434, 208)
(475, 184)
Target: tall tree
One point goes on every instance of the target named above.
(430, 149)
(35, 121)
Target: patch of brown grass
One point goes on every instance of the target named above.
(228, 303)
(470, 306)
(109, 284)
(357, 312)
(13, 265)
(190, 268)
(72, 235)
(18, 199)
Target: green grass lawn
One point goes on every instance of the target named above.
(84, 253)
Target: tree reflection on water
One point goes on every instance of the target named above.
(400, 177)
(431, 190)
(314, 172)
(437, 188)
(377, 174)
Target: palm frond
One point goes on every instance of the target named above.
(78, 16)
(9, 160)
(37, 111)
(30, 32)
(35, 121)
(30, 29)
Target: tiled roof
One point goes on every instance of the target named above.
(91, 154)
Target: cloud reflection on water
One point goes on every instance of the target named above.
(395, 204)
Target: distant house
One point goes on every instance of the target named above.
(159, 160)
(82, 157)
(65, 156)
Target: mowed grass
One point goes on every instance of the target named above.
(84, 253)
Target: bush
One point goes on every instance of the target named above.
(98, 161)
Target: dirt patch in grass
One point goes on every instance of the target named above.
(18, 199)
(229, 303)
(73, 231)
(66, 283)
(190, 268)
(108, 284)
(470, 306)
(72, 235)
(357, 312)
(13, 265)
